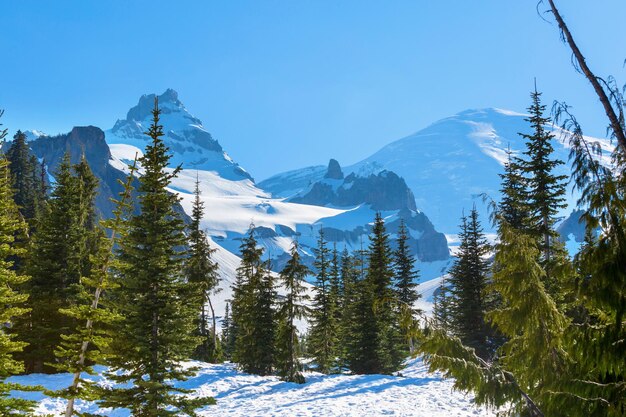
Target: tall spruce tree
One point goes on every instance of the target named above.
(468, 278)
(90, 341)
(26, 180)
(227, 339)
(157, 330)
(545, 191)
(11, 301)
(323, 336)
(292, 308)
(376, 346)
(59, 256)
(253, 321)
(202, 275)
(513, 207)
(405, 284)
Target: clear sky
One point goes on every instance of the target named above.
(286, 84)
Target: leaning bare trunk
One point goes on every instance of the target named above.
(584, 68)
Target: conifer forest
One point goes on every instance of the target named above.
(145, 273)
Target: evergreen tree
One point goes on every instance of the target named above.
(377, 343)
(291, 308)
(59, 256)
(545, 190)
(202, 275)
(349, 279)
(253, 321)
(442, 307)
(324, 327)
(405, 283)
(468, 278)
(156, 332)
(11, 301)
(513, 207)
(227, 339)
(90, 341)
(26, 179)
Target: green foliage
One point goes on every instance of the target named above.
(468, 277)
(27, 182)
(60, 255)
(156, 332)
(405, 282)
(202, 276)
(253, 321)
(324, 333)
(292, 308)
(91, 339)
(11, 301)
(376, 345)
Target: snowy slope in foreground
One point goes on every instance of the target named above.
(416, 393)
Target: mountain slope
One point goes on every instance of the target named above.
(448, 165)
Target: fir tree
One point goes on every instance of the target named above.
(26, 180)
(59, 256)
(227, 339)
(11, 301)
(468, 278)
(513, 206)
(545, 190)
(377, 343)
(324, 332)
(405, 283)
(442, 307)
(156, 331)
(202, 275)
(253, 321)
(292, 308)
(90, 341)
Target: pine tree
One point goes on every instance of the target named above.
(468, 278)
(11, 301)
(324, 327)
(59, 256)
(442, 307)
(405, 283)
(90, 341)
(292, 308)
(156, 331)
(202, 275)
(349, 279)
(26, 180)
(545, 190)
(227, 338)
(513, 207)
(376, 347)
(253, 321)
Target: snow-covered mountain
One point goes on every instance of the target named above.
(448, 165)
(232, 199)
(190, 144)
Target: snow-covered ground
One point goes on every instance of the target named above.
(416, 393)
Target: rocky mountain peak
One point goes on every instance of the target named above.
(334, 171)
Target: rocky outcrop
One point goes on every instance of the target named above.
(334, 170)
(88, 141)
(383, 191)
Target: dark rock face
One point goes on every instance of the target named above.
(334, 170)
(88, 141)
(385, 191)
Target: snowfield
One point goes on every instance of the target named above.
(416, 393)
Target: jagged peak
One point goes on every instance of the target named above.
(334, 170)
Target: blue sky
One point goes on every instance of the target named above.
(285, 84)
